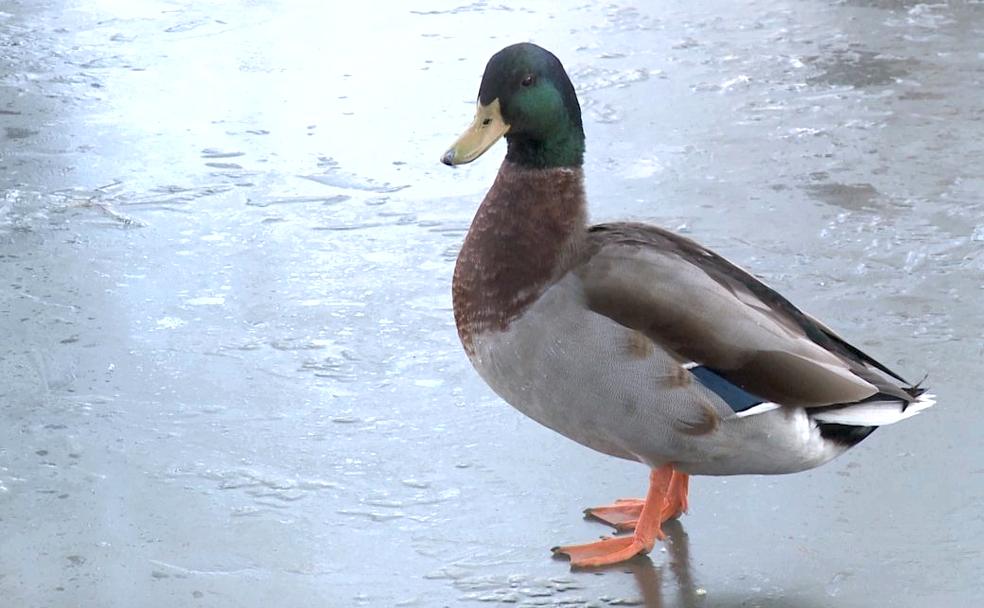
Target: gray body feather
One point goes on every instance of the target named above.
(633, 402)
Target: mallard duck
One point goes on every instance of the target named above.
(634, 341)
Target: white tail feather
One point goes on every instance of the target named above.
(761, 408)
(876, 413)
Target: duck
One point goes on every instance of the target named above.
(635, 341)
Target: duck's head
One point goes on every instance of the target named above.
(527, 97)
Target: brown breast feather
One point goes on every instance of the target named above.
(524, 237)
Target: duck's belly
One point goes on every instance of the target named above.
(615, 391)
(586, 377)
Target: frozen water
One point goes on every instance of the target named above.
(229, 374)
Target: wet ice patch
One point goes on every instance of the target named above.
(352, 183)
(290, 200)
(643, 168)
(860, 68)
(216, 153)
(593, 78)
(337, 178)
(428, 382)
(265, 490)
(854, 197)
(518, 589)
(928, 16)
(22, 211)
(304, 343)
(441, 302)
(206, 301)
(390, 258)
(171, 323)
(806, 132)
(737, 82)
(20, 133)
(602, 112)
(629, 19)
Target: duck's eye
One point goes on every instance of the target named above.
(528, 81)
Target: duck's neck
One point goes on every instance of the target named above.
(562, 149)
(526, 235)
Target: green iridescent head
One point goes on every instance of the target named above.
(527, 97)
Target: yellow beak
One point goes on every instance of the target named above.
(484, 131)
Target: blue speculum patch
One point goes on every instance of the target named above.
(736, 397)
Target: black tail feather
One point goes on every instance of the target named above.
(844, 434)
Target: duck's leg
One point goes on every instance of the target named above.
(647, 530)
(676, 496)
(624, 513)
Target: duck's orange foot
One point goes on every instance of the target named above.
(623, 515)
(605, 551)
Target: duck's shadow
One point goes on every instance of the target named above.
(656, 590)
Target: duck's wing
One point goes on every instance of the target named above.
(717, 317)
